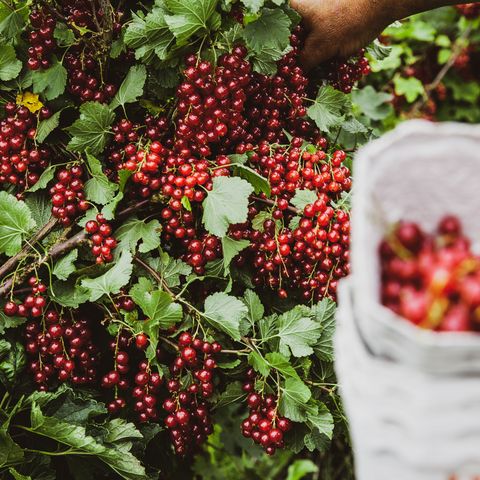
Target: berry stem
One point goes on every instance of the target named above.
(271, 203)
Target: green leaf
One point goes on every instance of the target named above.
(111, 281)
(293, 400)
(300, 468)
(253, 6)
(9, 322)
(18, 476)
(259, 220)
(10, 67)
(119, 429)
(325, 314)
(13, 364)
(259, 364)
(231, 248)
(226, 204)
(10, 452)
(303, 198)
(91, 131)
(63, 35)
(256, 310)
(410, 87)
(270, 30)
(259, 183)
(171, 269)
(149, 36)
(69, 294)
(232, 394)
(328, 108)
(109, 209)
(156, 304)
(12, 25)
(134, 230)
(45, 178)
(131, 88)
(320, 418)
(75, 408)
(46, 127)
(40, 207)
(225, 313)
(297, 332)
(280, 363)
(190, 16)
(392, 62)
(65, 266)
(16, 223)
(120, 461)
(378, 50)
(98, 189)
(51, 82)
(375, 105)
(265, 60)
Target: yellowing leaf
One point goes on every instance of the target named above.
(29, 100)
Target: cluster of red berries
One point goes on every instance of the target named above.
(84, 79)
(263, 425)
(67, 195)
(34, 303)
(60, 350)
(41, 39)
(469, 10)
(21, 161)
(190, 386)
(432, 280)
(101, 236)
(344, 74)
(124, 301)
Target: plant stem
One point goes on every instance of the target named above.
(271, 203)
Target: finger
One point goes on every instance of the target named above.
(315, 52)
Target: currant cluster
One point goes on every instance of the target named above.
(33, 304)
(191, 385)
(263, 425)
(344, 74)
(67, 195)
(432, 280)
(469, 10)
(41, 39)
(84, 78)
(60, 350)
(101, 236)
(124, 301)
(21, 161)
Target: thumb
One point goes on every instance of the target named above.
(315, 51)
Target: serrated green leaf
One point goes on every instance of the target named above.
(325, 314)
(258, 363)
(120, 461)
(109, 209)
(300, 468)
(259, 220)
(75, 408)
(260, 184)
(190, 16)
(69, 294)
(226, 204)
(111, 281)
(9, 322)
(320, 418)
(40, 207)
(231, 248)
(270, 31)
(378, 51)
(156, 304)
(225, 313)
(232, 394)
(293, 400)
(13, 364)
(253, 6)
(256, 310)
(375, 105)
(98, 189)
(10, 66)
(12, 25)
(134, 230)
(170, 269)
(328, 108)
(51, 82)
(131, 88)
(92, 130)
(46, 127)
(16, 223)
(298, 332)
(280, 363)
(45, 178)
(10, 452)
(410, 87)
(63, 35)
(302, 198)
(65, 266)
(119, 429)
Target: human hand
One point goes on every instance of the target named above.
(340, 28)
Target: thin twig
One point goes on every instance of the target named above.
(271, 203)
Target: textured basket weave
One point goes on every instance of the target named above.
(419, 172)
(405, 424)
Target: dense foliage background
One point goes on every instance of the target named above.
(174, 222)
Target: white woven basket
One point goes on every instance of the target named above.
(405, 424)
(419, 172)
